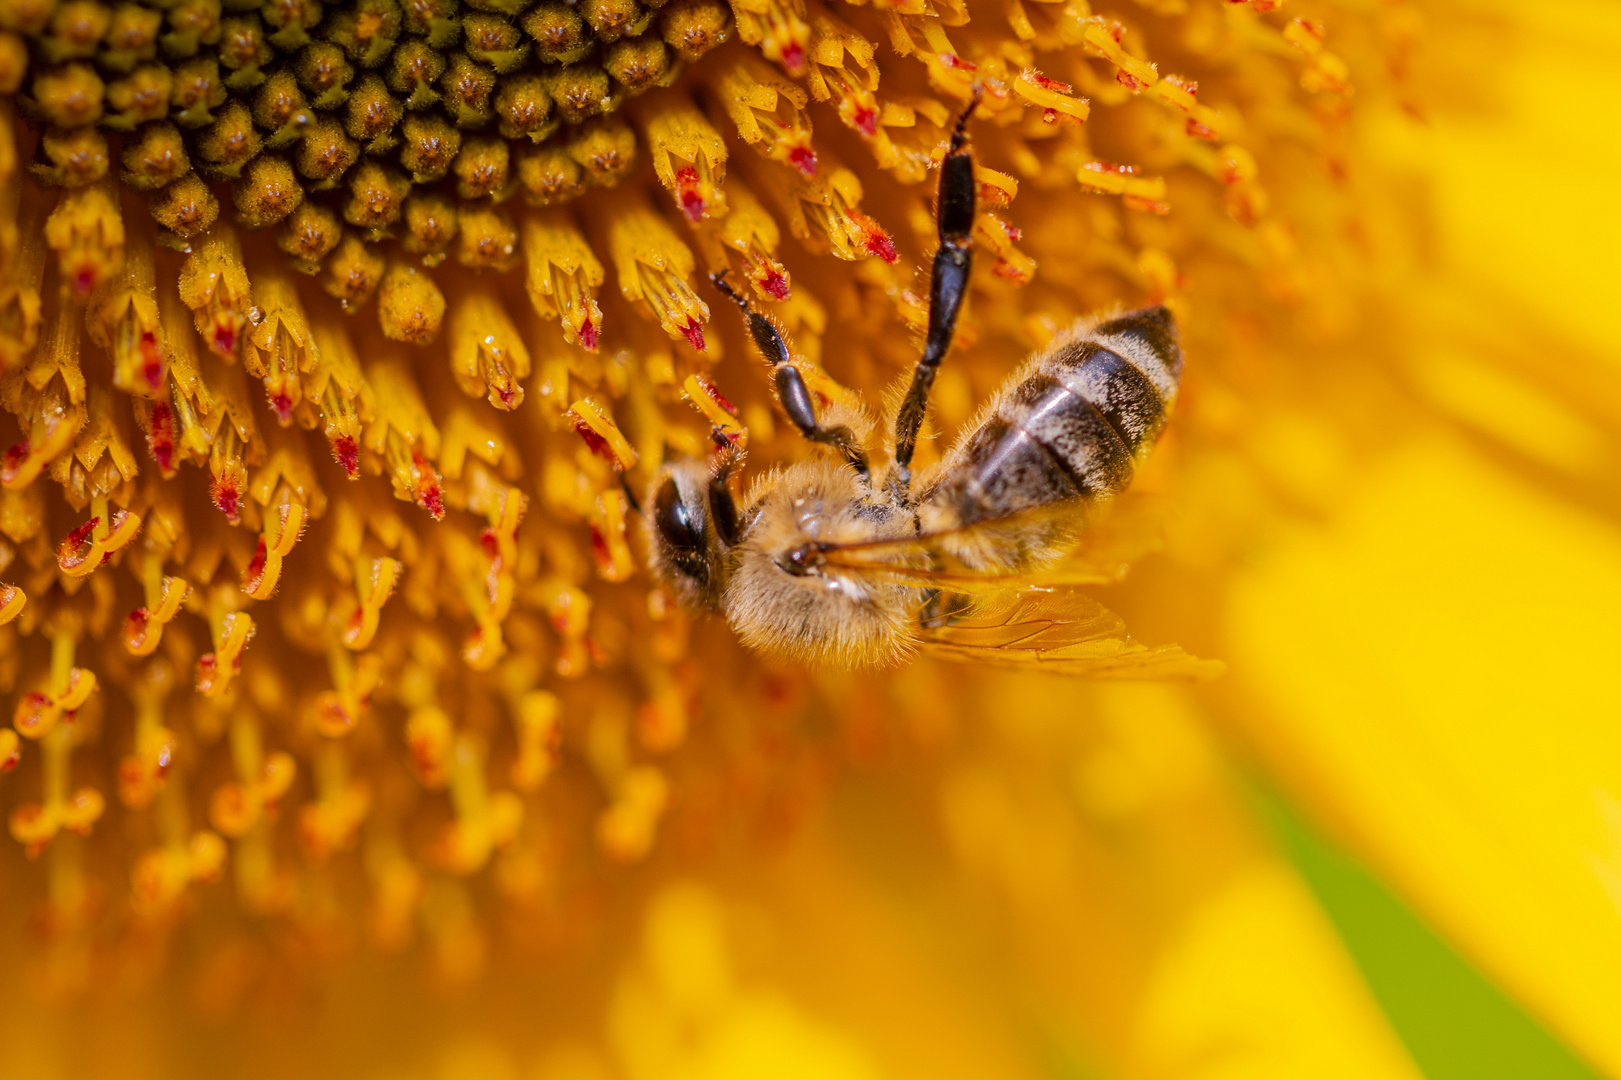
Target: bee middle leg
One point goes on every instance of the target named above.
(792, 392)
(948, 286)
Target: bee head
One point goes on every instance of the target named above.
(691, 522)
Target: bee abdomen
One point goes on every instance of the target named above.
(1076, 427)
(1122, 394)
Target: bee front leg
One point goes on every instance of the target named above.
(792, 392)
(948, 286)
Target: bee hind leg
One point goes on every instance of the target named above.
(792, 392)
(948, 285)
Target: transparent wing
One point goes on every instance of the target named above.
(1052, 629)
(1129, 527)
(1103, 541)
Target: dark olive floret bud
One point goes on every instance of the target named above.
(281, 109)
(229, 143)
(372, 113)
(155, 157)
(549, 176)
(69, 96)
(430, 145)
(242, 51)
(467, 87)
(308, 235)
(481, 168)
(290, 22)
(197, 92)
(605, 150)
(580, 91)
(693, 27)
(638, 64)
(324, 72)
(192, 24)
(525, 107)
(75, 157)
(366, 30)
(267, 192)
(186, 207)
(434, 20)
(430, 222)
(76, 29)
(140, 96)
(131, 37)
(493, 40)
(352, 273)
(487, 239)
(560, 35)
(614, 19)
(326, 153)
(413, 72)
(376, 193)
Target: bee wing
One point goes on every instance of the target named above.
(1054, 629)
(1115, 536)
(1130, 527)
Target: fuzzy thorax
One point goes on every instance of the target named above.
(821, 616)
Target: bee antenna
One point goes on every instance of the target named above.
(766, 337)
(959, 134)
(725, 287)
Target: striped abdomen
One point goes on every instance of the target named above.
(1080, 419)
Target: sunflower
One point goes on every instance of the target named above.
(345, 334)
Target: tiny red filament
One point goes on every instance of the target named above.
(224, 337)
(347, 451)
(720, 398)
(256, 568)
(505, 393)
(14, 459)
(228, 499)
(803, 158)
(687, 194)
(284, 409)
(151, 362)
(80, 534)
(428, 489)
(694, 334)
(1130, 82)
(135, 623)
(433, 499)
(593, 442)
(879, 244)
(1005, 269)
(776, 284)
(588, 336)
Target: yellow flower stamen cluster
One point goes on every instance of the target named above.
(320, 564)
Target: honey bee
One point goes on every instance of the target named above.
(831, 560)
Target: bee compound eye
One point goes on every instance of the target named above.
(724, 512)
(675, 520)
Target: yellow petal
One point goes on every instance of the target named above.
(1438, 670)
